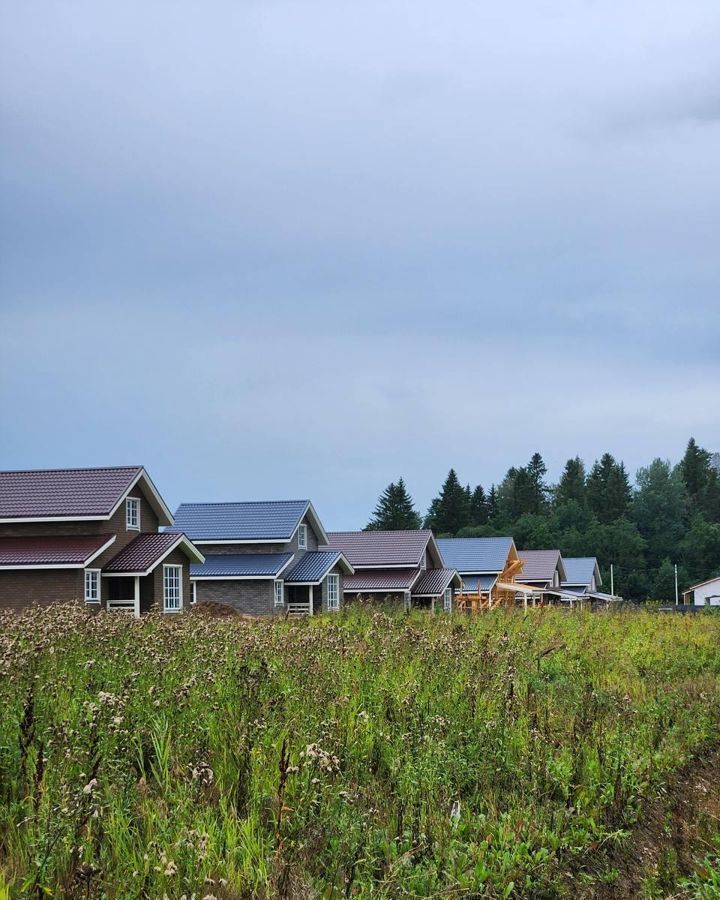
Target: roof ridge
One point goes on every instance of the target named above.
(385, 531)
(78, 469)
(239, 502)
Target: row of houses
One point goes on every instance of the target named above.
(106, 536)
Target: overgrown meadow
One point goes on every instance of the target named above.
(357, 755)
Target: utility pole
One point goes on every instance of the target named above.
(612, 581)
(676, 587)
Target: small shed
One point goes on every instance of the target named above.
(706, 593)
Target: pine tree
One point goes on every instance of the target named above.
(394, 510)
(572, 483)
(449, 512)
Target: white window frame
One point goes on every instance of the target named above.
(129, 526)
(278, 592)
(94, 588)
(333, 592)
(302, 537)
(166, 571)
(447, 600)
(193, 593)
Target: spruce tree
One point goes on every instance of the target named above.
(608, 489)
(449, 512)
(537, 470)
(695, 467)
(572, 483)
(618, 495)
(492, 503)
(394, 510)
(478, 507)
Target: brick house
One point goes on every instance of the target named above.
(92, 535)
(401, 566)
(263, 558)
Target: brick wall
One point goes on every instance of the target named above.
(25, 587)
(249, 597)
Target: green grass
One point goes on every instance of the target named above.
(358, 755)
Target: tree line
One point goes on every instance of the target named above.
(669, 516)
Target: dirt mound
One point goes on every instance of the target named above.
(213, 609)
(675, 830)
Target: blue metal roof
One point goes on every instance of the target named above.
(474, 583)
(475, 555)
(312, 567)
(579, 569)
(241, 565)
(255, 521)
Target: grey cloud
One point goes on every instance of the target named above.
(304, 247)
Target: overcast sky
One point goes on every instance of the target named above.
(277, 249)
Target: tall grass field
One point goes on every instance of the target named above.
(359, 755)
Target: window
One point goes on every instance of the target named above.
(302, 537)
(132, 514)
(279, 596)
(193, 592)
(172, 588)
(92, 585)
(333, 592)
(447, 600)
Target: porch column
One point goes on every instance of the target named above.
(310, 595)
(432, 604)
(525, 601)
(137, 596)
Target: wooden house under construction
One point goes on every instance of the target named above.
(490, 569)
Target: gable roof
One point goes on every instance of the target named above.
(476, 556)
(540, 565)
(56, 552)
(242, 565)
(434, 582)
(145, 552)
(580, 570)
(385, 549)
(312, 567)
(46, 495)
(473, 584)
(701, 584)
(261, 522)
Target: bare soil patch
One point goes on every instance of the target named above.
(675, 830)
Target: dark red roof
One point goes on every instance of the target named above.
(434, 582)
(381, 548)
(372, 580)
(143, 553)
(64, 550)
(49, 493)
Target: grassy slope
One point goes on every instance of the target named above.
(324, 757)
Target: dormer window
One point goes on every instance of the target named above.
(302, 537)
(132, 514)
